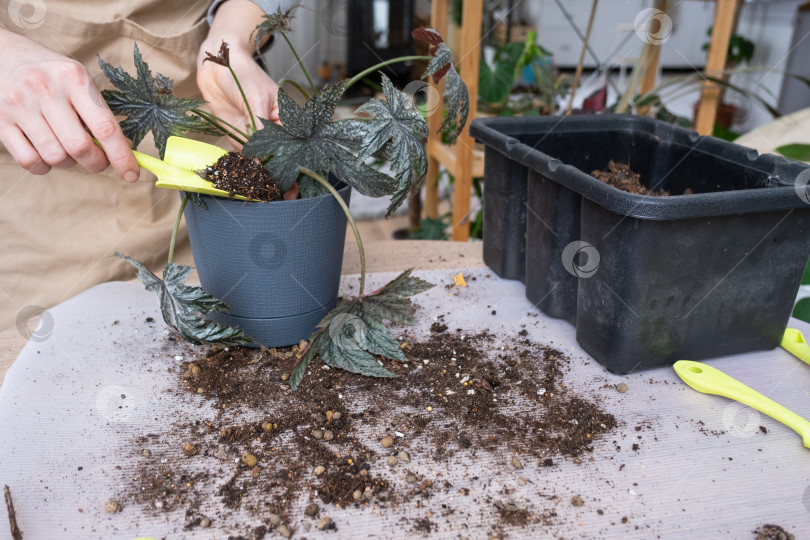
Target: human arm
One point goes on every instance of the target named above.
(233, 23)
(50, 109)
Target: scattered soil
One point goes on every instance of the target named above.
(458, 395)
(621, 176)
(239, 175)
(773, 532)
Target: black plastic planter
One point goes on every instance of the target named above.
(646, 280)
(276, 264)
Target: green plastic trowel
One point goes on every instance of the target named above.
(181, 161)
(793, 341)
(709, 380)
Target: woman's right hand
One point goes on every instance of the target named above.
(49, 110)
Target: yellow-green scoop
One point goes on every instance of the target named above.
(181, 161)
(793, 341)
(709, 380)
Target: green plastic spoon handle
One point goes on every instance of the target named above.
(794, 343)
(709, 380)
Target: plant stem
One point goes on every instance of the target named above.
(295, 84)
(300, 63)
(244, 98)
(215, 121)
(177, 226)
(345, 208)
(372, 69)
(16, 533)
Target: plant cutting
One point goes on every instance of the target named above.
(319, 156)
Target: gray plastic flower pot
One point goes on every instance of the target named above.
(276, 264)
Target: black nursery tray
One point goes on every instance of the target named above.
(646, 280)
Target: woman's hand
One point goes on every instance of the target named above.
(233, 24)
(49, 110)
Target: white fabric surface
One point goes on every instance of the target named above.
(61, 408)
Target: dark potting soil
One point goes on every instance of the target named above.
(239, 175)
(621, 176)
(773, 532)
(459, 398)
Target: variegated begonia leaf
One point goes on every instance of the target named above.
(148, 104)
(353, 335)
(184, 307)
(456, 97)
(398, 130)
(308, 138)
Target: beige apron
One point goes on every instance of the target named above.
(59, 231)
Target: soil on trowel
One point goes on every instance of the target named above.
(239, 175)
(621, 176)
(269, 460)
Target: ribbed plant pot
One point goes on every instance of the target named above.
(276, 264)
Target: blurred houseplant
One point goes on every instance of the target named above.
(740, 51)
(499, 91)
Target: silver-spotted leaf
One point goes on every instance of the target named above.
(392, 302)
(353, 359)
(353, 335)
(456, 97)
(308, 138)
(397, 129)
(184, 307)
(457, 104)
(274, 23)
(148, 105)
(379, 340)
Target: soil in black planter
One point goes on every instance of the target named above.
(621, 176)
(239, 175)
